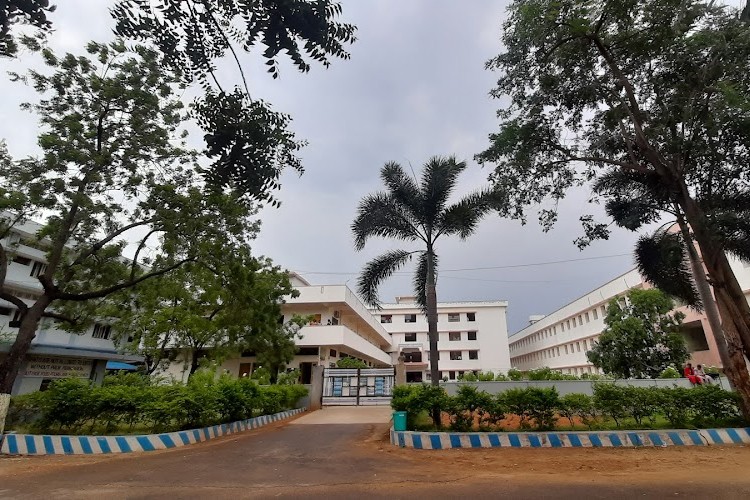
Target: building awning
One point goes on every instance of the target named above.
(75, 352)
(118, 365)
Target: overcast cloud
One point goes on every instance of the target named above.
(415, 87)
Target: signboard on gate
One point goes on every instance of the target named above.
(53, 367)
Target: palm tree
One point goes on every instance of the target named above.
(417, 212)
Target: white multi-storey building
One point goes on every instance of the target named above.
(341, 327)
(473, 337)
(54, 353)
(560, 339)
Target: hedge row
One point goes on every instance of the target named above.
(129, 401)
(540, 408)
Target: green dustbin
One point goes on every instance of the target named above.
(399, 420)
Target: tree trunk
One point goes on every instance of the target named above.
(729, 294)
(432, 319)
(11, 365)
(194, 362)
(26, 332)
(727, 340)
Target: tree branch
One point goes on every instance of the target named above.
(100, 244)
(142, 244)
(20, 304)
(60, 317)
(80, 297)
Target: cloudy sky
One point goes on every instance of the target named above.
(415, 87)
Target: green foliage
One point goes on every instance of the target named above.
(417, 399)
(126, 401)
(539, 408)
(468, 377)
(350, 363)
(289, 377)
(420, 212)
(31, 12)
(578, 405)
(501, 377)
(515, 374)
(608, 398)
(486, 376)
(675, 404)
(670, 372)
(261, 375)
(275, 346)
(546, 373)
(467, 404)
(641, 338)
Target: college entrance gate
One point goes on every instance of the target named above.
(355, 387)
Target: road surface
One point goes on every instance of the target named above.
(339, 453)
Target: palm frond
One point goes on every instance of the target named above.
(662, 260)
(462, 217)
(404, 189)
(378, 270)
(438, 181)
(735, 230)
(379, 214)
(420, 279)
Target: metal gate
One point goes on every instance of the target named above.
(355, 387)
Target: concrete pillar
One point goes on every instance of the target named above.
(400, 371)
(316, 387)
(98, 371)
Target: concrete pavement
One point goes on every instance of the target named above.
(347, 415)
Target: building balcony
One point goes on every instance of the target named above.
(341, 338)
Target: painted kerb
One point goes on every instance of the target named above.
(660, 438)
(28, 444)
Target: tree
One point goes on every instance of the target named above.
(350, 363)
(210, 309)
(32, 12)
(274, 348)
(669, 260)
(641, 337)
(113, 168)
(654, 91)
(420, 213)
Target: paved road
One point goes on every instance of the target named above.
(343, 460)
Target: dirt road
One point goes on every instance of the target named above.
(347, 460)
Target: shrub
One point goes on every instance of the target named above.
(486, 376)
(532, 405)
(289, 378)
(710, 402)
(670, 372)
(416, 399)
(515, 374)
(468, 377)
(578, 405)
(350, 363)
(501, 377)
(609, 399)
(640, 402)
(676, 404)
(66, 403)
(465, 405)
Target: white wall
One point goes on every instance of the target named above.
(490, 325)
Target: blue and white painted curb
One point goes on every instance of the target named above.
(660, 438)
(28, 444)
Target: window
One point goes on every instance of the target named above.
(333, 353)
(604, 311)
(410, 318)
(37, 269)
(578, 346)
(410, 337)
(562, 327)
(586, 315)
(558, 350)
(452, 375)
(386, 318)
(24, 261)
(312, 351)
(596, 314)
(101, 331)
(454, 336)
(454, 317)
(580, 320)
(456, 355)
(473, 336)
(471, 316)
(566, 348)
(568, 322)
(473, 354)
(5, 311)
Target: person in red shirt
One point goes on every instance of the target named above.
(690, 375)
